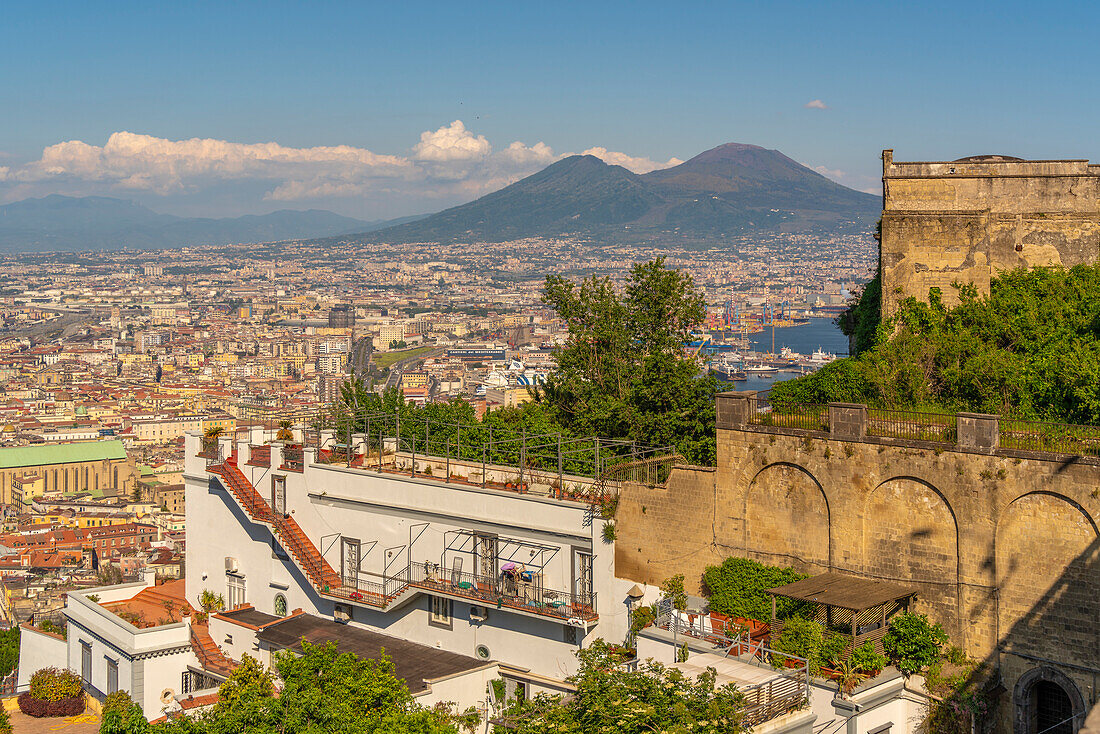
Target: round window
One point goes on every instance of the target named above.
(482, 652)
(280, 605)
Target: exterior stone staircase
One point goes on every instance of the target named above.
(209, 654)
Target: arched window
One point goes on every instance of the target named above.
(116, 477)
(280, 605)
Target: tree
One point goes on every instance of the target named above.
(652, 698)
(322, 691)
(622, 373)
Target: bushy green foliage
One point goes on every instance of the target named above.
(1031, 348)
(639, 619)
(118, 701)
(5, 721)
(51, 684)
(673, 589)
(737, 588)
(808, 639)
(913, 643)
(866, 657)
(9, 650)
(652, 698)
(622, 373)
(323, 691)
(861, 321)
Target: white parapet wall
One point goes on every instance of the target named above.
(37, 650)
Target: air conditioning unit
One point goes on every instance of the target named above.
(230, 565)
(478, 614)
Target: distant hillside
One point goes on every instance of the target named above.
(729, 190)
(96, 222)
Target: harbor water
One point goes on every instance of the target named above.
(804, 339)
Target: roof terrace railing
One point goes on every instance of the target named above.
(374, 439)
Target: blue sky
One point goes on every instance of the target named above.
(642, 83)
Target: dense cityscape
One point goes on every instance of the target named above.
(549, 369)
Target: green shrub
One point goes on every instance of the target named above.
(119, 701)
(673, 588)
(832, 650)
(738, 587)
(801, 637)
(639, 618)
(913, 643)
(5, 722)
(51, 684)
(866, 657)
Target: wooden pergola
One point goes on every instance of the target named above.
(847, 604)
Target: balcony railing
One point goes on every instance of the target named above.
(504, 591)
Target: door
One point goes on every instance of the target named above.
(349, 562)
(485, 550)
(582, 571)
(278, 495)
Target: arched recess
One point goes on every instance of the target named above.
(787, 519)
(910, 535)
(1047, 578)
(1027, 716)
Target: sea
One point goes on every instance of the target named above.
(820, 333)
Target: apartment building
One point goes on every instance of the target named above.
(521, 580)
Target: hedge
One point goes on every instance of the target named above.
(738, 588)
(38, 708)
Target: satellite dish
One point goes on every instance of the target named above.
(167, 696)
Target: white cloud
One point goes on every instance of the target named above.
(816, 104)
(450, 162)
(629, 162)
(833, 173)
(451, 143)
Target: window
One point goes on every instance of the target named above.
(280, 605)
(439, 612)
(86, 661)
(112, 676)
(235, 592)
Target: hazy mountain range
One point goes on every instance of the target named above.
(97, 222)
(730, 190)
(726, 191)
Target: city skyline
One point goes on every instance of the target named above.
(257, 108)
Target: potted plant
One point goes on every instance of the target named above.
(848, 676)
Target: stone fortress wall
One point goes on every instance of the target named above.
(964, 221)
(1002, 544)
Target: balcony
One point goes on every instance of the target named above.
(504, 592)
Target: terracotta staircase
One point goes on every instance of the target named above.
(209, 654)
(289, 533)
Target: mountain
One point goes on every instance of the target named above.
(96, 222)
(729, 190)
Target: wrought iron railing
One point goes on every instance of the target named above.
(1057, 438)
(804, 416)
(913, 425)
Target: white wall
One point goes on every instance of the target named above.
(39, 650)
